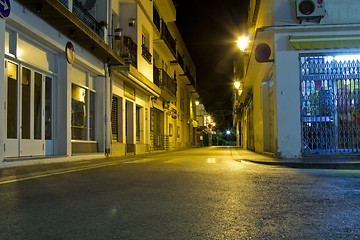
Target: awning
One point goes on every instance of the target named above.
(325, 41)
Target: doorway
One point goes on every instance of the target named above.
(28, 111)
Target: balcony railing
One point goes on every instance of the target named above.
(190, 77)
(168, 83)
(127, 49)
(146, 53)
(156, 19)
(65, 3)
(157, 79)
(166, 36)
(180, 60)
(80, 11)
(163, 80)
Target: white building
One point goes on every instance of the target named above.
(305, 99)
(74, 88)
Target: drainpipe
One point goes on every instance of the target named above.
(107, 96)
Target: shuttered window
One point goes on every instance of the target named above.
(114, 118)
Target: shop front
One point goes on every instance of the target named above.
(330, 102)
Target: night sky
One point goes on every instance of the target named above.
(210, 29)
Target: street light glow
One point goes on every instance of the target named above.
(228, 132)
(197, 103)
(242, 43)
(237, 84)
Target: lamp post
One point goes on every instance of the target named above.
(239, 74)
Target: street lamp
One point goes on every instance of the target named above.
(197, 103)
(237, 84)
(242, 43)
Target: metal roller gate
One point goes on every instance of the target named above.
(330, 106)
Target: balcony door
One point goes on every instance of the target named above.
(28, 112)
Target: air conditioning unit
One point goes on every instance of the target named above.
(310, 9)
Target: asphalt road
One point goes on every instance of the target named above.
(193, 194)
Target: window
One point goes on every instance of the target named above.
(138, 123)
(82, 113)
(116, 119)
(48, 108)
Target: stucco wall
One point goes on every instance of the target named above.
(338, 12)
(288, 99)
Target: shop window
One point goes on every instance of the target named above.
(48, 108)
(82, 113)
(12, 101)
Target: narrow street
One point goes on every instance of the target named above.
(202, 193)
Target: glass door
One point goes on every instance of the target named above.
(29, 103)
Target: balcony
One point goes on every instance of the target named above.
(166, 9)
(78, 25)
(156, 19)
(166, 83)
(166, 43)
(146, 53)
(80, 11)
(179, 64)
(190, 77)
(127, 49)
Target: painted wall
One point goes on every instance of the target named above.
(287, 98)
(338, 12)
(144, 25)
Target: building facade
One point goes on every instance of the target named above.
(302, 98)
(80, 80)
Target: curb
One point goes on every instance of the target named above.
(343, 166)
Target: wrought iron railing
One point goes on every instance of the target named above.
(163, 80)
(156, 19)
(65, 3)
(157, 79)
(80, 11)
(180, 60)
(190, 77)
(127, 49)
(166, 36)
(146, 53)
(168, 82)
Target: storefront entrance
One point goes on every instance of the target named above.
(28, 111)
(157, 129)
(330, 103)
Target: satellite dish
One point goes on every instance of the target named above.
(89, 4)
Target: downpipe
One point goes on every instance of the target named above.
(108, 97)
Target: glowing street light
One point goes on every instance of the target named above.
(242, 43)
(197, 103)
(237, 84)
(228, 132)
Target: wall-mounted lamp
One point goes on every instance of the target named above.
(237, 84)
(117, 33)
(197, 103)
(242, 43)
(166, 105)
(132, 22)
(153, 99)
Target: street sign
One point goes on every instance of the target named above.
(5, 8)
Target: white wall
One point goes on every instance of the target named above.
(338, 12)
(2, 84)
(287, 98)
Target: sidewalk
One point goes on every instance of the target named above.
(350, 162)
